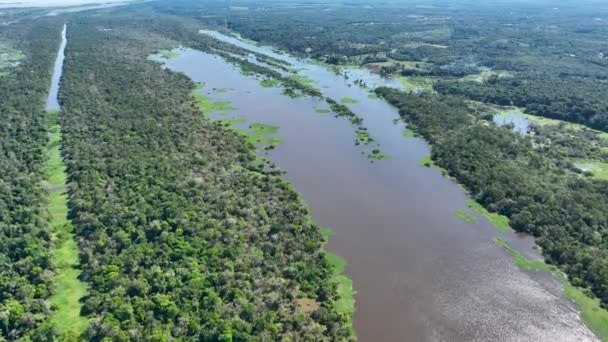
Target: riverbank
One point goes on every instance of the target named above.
(503, 154)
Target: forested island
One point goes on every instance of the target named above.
(182, 224)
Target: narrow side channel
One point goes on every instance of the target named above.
(66, 300)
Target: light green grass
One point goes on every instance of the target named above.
(499, 222)
(322, 111)
(168, 54)
(426, 161)
(416, 82)
(270, 83)
(521, 261)
(208, 106)
(463, 215)
(372, 96)
(346, 302)
(597, 169)
(349, 100)
(408, 133)
(257, 134)
(9, 58)
(69, 289)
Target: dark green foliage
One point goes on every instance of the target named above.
(184, 235)
(506, 174)
(25, 267)
(571, 99)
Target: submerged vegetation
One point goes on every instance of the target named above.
(463, 215)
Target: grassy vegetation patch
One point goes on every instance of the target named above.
(521, 261)
(412, 83)
(463, 215)
(346, 303)
(66, 300)
(377, 155)
(364, 137)
(426, 161)
(322, 111)
(208, 106)
(408, 133)
(349, 100)
(9, 58)
(257, 134)
(499, 222)
(372, 96)
(594, 168)
(270, 83)
(168, 54)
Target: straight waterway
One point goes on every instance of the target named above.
(69, 289)
(420, 273)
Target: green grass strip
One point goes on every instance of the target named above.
(463, 215)
(521, 261)
(346, 302)
(270, 83)
(69, 289)
(499, 222)
(207, 105)
(349, 100)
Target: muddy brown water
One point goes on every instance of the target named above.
(420, 273)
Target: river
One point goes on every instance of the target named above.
(52, 101)
(420, 273)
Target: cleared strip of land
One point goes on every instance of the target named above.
(69, 289)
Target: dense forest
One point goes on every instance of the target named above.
(183, 233)
(26, 272)
(571, 99)
(504, 172)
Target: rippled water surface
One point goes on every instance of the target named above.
(421, 273)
